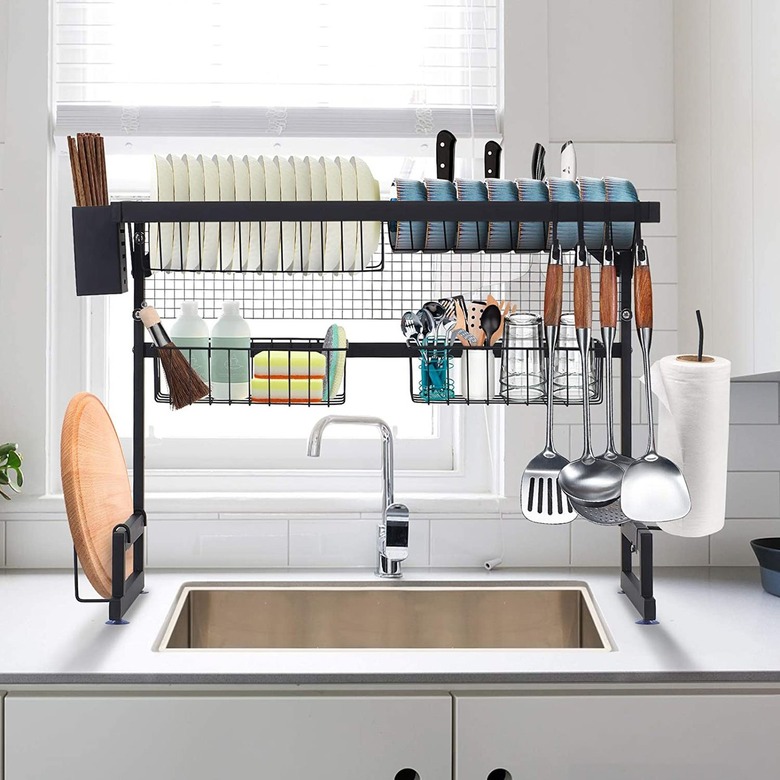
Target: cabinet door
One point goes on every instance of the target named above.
(616, 737)
(227, 737)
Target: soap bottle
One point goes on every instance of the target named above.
(191, 335)
(230, 341)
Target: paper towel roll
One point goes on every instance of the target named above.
(693, 432)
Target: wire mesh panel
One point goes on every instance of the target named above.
(405, 282)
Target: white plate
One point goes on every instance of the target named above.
(161, 234)
(349, 191)
(332, 259)
(227, 192)
(256, 192)
(210, 231)
(241, 238)
(181, 192)
(289, 229)
(197, 194)
(319, 192)
(368, 238)
(272, 230)
(302, 229)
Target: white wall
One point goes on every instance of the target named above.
(626, 128)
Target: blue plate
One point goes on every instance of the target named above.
(502, 236)
(567, 191)
(621, 191)
(408, 236)
(440, 236)
(471, 236)
(531, 235)
(593, 190)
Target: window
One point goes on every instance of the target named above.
(226, 76)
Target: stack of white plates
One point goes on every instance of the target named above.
(294, 247)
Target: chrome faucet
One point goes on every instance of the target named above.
(392, 542)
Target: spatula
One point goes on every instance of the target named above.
(654, 489)
(541, 496)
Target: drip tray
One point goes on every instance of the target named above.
(400, 617)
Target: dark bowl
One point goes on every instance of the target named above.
(768, 553)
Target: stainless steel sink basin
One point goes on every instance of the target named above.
(245, 616)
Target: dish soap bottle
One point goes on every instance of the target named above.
(191, 335)
(230, 356)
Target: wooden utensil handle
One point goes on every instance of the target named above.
(553, 294)
(608, 296)
(643, 297)
(583, 297)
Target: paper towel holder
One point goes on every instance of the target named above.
(699, 357)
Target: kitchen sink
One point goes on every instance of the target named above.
(262, 617)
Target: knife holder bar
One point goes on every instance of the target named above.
(124, 590)
(105, 236)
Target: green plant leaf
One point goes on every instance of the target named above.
(7, 498)
(14, 460)
(7, 447)
(4, 480)
(19, 477)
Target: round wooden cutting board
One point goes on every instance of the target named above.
(96, 486)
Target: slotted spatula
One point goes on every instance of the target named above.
(541, 496)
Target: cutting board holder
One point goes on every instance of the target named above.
(103, 237)
(124, 590)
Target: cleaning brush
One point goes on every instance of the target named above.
(185, 385)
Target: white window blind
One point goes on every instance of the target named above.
(308, 68)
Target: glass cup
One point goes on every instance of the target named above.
(567, 371)
(522, 362)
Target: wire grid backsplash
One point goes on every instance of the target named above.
(407, 281)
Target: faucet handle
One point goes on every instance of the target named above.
(393, 539)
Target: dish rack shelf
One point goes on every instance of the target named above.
(459, 369)
(105, 237)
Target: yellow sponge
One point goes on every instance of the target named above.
(283, 363)
(284, 390)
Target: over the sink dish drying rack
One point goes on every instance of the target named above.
(105, 237)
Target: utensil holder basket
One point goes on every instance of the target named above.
(460, 375)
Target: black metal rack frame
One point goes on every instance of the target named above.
(101, 234)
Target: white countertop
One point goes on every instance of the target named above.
(716, 624)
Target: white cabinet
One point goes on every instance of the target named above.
(236, 737)
(616, 737)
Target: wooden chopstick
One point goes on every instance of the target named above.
(75, 171)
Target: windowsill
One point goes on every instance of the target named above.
(279, 504)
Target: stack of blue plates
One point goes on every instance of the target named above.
(563, 190)
(440, 236)
(621, 191)
(471, 236)
(408, 236)
(531, 235)
(502, 236)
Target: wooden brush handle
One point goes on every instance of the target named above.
(583, 297)
(75, 171)
(553, 294)
(643, 297)
(608, 297)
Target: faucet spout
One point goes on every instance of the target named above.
(393, 531)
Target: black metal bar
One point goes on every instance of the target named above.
(76, 583)
(625, 267)
(637, 538)
(118, 548)
(138, 238)
(376, 349)
(384, 211)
